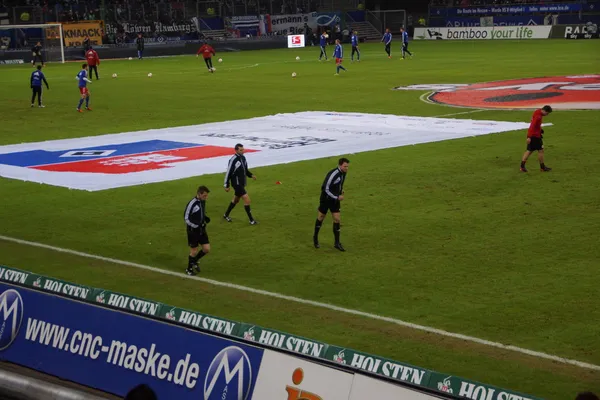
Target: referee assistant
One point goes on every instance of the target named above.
(332, 193)
(237, 172)
(195, 222)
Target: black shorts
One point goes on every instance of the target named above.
(37, 89)
(535, 144)
(326, 204)
(239, 191)
(197, 237)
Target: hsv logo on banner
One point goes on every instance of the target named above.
(135, 158)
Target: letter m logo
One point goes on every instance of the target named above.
(11, 316)
(220, 369)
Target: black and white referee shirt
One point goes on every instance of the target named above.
(333, 185)
(195, 213)
(237, 171)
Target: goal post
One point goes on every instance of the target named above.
(24, 37)
(394, 20)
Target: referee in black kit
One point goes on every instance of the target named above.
(195, 221)
(237, 172)
(332, 193)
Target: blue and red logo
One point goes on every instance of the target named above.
(115, 159)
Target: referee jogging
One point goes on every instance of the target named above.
(332, 193)
(195, 221)
(37, 77)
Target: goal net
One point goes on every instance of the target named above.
(19, 39)
(394, 20)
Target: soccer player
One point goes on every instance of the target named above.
(237, 172)
(83, 90)
(140, 46)
(387, 39)
(405, 43)
(207, 53)
(195, 221)
(355, 47)
(339, 56)
(534, 139)
(323, 43)
(332, 193)
(37, 77)
(37, 54)
(93, 61)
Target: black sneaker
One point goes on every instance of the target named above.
(227, 218)
(316, 243)
(523, 169)
(195, 267)
(546, 169)
(190, 271)
(254, 222)
(339, 247)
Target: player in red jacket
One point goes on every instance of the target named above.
(207, 53)
(535, 135)
(92, 61)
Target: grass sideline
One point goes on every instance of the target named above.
(459, 241)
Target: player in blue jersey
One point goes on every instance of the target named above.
(83, 90)
(339, 56)
(323, 44)
(37, 77)
(405, 43)
(387, 39)
(355, 47)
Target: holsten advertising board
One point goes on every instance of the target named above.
(483, 33)
(114, 351)
(101, 344)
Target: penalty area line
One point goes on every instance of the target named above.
(299, 300)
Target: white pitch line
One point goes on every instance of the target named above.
(332, 307)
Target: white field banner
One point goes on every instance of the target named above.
(159, 155)
(301, 379)
(364, 387)
(522, 32)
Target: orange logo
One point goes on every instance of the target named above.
(299, 394)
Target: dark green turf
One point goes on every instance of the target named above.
(448, 234)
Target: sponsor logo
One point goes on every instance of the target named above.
(229, 376)
(520, 32)
(137, 158)
(445, 385)
(11, 316)
(12, 61)
(578, 92)
(587, 31)
(249, 334)
(340, 357)
(171, 315)
(38, 282)
(296, 393)
(100, 298)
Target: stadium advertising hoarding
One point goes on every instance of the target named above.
(484, 33)
(293, 24)
(124, 32)
(295, 41)
(506, 9)
(40, 329)
(74, 33)
(68, 339)
(581, 31)
(477, 21)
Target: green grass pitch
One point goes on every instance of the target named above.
(447, 234)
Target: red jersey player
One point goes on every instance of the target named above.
(93, 61)
(207, 53)
(534, 138)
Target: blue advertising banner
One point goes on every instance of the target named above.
(505, 9)
(114, 351)
(476, 21)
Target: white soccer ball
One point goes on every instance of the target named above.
(114, 75)
(297, 57)
(220, 60)
(293, 74)
(150, 75)
(131, 58)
